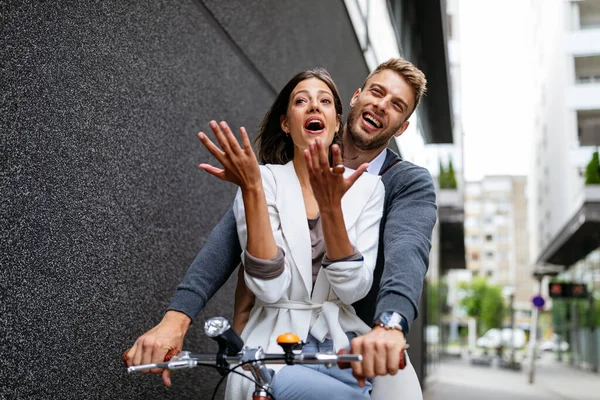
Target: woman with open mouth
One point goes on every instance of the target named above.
(308, 229)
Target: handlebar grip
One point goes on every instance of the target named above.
(170, 354)
(344, 365)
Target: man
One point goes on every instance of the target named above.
(380, 110)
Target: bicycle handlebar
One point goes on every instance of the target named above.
(186, 359)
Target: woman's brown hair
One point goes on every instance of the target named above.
(273, 144)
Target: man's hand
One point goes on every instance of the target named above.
(153, 345)
(380, 349)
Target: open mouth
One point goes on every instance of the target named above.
(372, 120)
(314, 125)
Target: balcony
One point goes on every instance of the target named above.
(584, 96)
(452, 235)
(578, 237)
(584, 42)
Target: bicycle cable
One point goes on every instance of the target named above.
(233, 370)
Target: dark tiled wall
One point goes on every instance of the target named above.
(103, 208)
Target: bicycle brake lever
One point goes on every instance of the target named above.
(170, 354)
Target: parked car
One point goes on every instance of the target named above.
(494, 338)
(554, 344)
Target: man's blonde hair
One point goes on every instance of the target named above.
(411, 74)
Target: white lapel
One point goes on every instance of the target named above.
(355, 199)
(294, 223)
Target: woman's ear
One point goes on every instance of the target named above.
(284, 124)
(338, 123)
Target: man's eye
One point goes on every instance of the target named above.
(376, 91)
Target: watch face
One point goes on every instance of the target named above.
(390, 318)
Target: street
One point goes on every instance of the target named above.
(458, 379)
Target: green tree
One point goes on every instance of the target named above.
(484, 302)
(592, 171)
(451, 175)
(442, 176)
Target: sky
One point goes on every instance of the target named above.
(495, 39)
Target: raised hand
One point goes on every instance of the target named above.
(329, 184)
(240, 165)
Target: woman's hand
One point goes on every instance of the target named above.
(240, 165)
(328, 184)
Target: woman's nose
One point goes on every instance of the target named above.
(314, 105)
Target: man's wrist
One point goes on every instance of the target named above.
(392, 320)
(177, 318)
(378, 328)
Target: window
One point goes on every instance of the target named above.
(488, 238)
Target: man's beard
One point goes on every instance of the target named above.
(362, 140)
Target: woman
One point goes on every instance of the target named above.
(309, 235)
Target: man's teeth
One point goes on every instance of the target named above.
(372, 120)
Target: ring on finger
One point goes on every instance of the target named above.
(339, 169)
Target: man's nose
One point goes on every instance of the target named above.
(382, 103)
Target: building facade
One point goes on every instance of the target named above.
(564, 211)
(496, 235)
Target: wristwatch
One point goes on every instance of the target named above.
(392, 320)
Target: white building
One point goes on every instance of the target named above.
(566, 42)
(564, 212)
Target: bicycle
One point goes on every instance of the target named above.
(232, 351)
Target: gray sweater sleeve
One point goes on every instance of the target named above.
(411, 215)
(214, 264)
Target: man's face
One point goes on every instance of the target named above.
(380, 110)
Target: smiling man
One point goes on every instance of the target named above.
(380, 110)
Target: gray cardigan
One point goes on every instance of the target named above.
(403, 257)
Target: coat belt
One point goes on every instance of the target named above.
(327, 319)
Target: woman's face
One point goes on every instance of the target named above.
(311, 114)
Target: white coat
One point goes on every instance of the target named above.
(289, 303)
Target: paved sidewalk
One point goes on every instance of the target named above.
(459, 380)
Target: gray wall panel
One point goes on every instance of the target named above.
(103, 207)
(284, 37)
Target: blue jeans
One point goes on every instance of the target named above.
(303, 382)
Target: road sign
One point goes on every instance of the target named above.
(538, 301)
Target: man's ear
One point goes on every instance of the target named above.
(402, 128)
(284, 124)
(355, 97)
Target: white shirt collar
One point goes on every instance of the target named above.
(376, 164)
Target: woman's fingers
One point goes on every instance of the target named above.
(232, 142)
(211, 147)
(314, 156)
(322, 154)
(219, 173)
(309, 165)
(220, 136)
(245, 140)
(336, 153)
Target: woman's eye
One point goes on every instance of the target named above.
(300, 101)
(326, 101)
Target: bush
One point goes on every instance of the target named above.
(592, 172)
